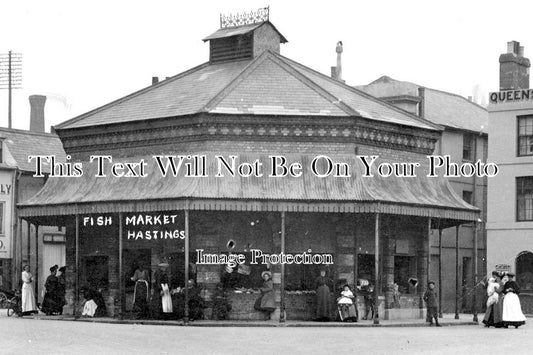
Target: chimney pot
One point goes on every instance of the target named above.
(37, 112)
(155, 80)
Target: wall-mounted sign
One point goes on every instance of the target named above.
(511, 96)
(502, 267)
(5, 189)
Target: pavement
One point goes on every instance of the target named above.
(42, 335)
(446, 320)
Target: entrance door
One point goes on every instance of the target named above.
(53, 254)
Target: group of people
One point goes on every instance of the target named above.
(346, 302)
(161, 300)
(54, 297)
(503, 303)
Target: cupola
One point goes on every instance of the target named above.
(244, 36)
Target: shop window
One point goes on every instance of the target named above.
(468, 147)
(97, 272)
(243, 276)
(132, 258)
(404, 270)
(524, 270)
(365, 267)
(525, 136)
(467, 196)
(302, 277)
(524, 198)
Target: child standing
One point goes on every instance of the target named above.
(430, 297)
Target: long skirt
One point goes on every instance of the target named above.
(166, 300)
(140, 298)
(323, 302)
(28, 298)
(512, 311)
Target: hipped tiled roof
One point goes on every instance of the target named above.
(267, 85)
(20, 144)
(441, 107)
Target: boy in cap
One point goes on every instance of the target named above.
(430, 297)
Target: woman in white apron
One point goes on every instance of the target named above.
(161, 284)
(28, 296)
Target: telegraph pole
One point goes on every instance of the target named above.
(10, 76)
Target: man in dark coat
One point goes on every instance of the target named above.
(430, 297)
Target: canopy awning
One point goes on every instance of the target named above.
(413, 196)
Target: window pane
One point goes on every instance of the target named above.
(524, 195)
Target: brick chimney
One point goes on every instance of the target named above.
(514, 68)
(37, 113)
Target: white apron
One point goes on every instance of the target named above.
(166, 300)
(28, 296)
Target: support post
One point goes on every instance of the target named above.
(77, 288)
(28, 248)
(282, 291)
(376, 269)
(37, 261)
(186, 249)
(457, 272)
(429, 252)
(440, 271)
(474, 275)
(121, 268)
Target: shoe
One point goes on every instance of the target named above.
(438, 325)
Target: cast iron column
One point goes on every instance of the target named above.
(120, 268)
(186, 266)
(456, 272)
(474, 275)
(376, 269)
(282, 296)
(440, 271)
(77, 288)
(37, 261)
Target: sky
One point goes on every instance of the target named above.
(84, 54)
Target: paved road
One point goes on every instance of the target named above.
(38, 336)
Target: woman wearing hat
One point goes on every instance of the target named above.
(323, 296)
(51, 297)
(512, 311)
(162, 289)
(140, 292)
(28, 296)
(266, 303)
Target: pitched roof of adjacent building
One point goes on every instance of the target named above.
(443, 108)
(269, 84)
(19, 144)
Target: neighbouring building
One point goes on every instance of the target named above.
(510, 193)
(233, 122)
(464, 139)
(17, 183)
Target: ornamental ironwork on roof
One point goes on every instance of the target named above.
(245, 18)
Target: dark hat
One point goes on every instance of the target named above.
(510, 274)
(54, 268)
(413, 282)
(266, 272)
(496, 273)
(63, 269)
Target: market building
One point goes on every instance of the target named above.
(464, 139)
(18, 242)
(510, 193)
(268, 157)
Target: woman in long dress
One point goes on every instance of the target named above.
(512, 311)
(140, 292)
(51, 300)
(267, 302)
(28, 296)
(323, 297)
